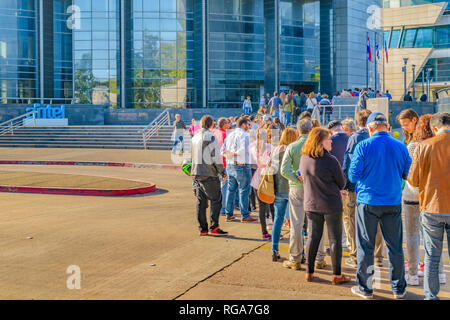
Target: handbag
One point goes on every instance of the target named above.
(266, 188)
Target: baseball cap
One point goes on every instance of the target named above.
(376, 116)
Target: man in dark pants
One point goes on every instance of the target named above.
(377, 167)
(206, 167)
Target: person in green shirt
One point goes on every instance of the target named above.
(288, 108)
(289, 167)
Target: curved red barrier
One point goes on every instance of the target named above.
(79, 191)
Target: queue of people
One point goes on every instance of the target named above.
(351, 176)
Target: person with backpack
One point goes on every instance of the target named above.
(275, 104)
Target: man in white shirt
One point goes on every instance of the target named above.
(236, 151)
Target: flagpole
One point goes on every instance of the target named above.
(376, 56)
(367, 62)
(384, 83)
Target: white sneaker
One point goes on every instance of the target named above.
(412, 280)
(400, 295)
(355, 290)
(442, 278)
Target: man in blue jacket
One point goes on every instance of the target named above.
(377, 167)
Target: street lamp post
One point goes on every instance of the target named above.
(428, 84)
(405, 60)
(414, 82)
(423, 80)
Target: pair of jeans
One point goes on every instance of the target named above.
(434, 226)
(265, 210)
(178, 138)
(280, 204)
(390, 219)
(239, 178)
(297, 218)
(223, 189)
(411, 213)
(208, 189)
(316, 222)
(287, 119)
(282, 116)
(247, 111)
(252, 199)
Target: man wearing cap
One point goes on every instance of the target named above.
(378, 166)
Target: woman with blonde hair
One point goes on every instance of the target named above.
(323, 179)
(311, 102)
(288, 136)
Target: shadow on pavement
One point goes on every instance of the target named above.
(156, 193)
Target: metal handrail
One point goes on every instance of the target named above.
(150, 130)
(12, 124)
(353, 109)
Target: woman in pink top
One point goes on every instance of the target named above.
(194, 127)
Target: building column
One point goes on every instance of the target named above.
(122, 55)
(272, 46)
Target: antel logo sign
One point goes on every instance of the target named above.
(47, 112)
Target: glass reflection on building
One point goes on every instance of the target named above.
(62, 50)
(299, 43)
(235, 52)
(18, 51)
(162, 53)
(96, 52)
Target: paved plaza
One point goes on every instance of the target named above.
(143, 246)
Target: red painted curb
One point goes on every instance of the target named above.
(78, 191)
(93, 163)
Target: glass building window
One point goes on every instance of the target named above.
(442, 37)
(18, 51)
(394, 38)
(62, 51)
(161, 49)
(235, 52)
(299, 42)
(430, 37)
(424, 38)
(408, 38)
(96, 49)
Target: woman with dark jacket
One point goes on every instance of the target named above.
(323, 180)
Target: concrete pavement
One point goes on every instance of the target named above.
(141, 247)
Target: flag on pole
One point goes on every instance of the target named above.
(385, 49)
(369, 53)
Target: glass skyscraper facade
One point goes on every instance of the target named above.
(96, 52)
(18, 51)
(299, 42)
(235, 51)
(162, 46)
(163, 53)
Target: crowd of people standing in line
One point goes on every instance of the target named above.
(353, 176)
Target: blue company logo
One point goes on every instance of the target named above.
(47, 112)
